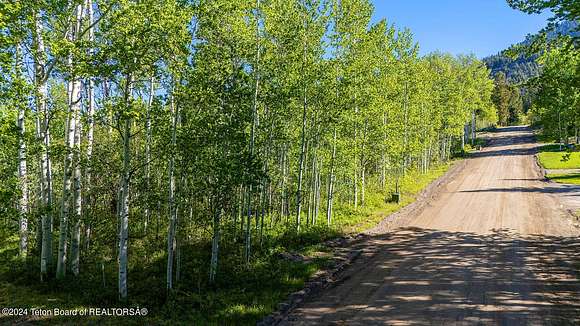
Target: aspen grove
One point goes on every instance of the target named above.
(178, 143)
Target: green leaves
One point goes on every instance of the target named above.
(558, 92)
(137, 35)
(563, 9)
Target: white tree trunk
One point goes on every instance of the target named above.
(41, 92)
(363, 165)
(330, 194)
(318, 183)
(473, 130)
(22, 167)
(302, 145)
(74, 89)
(355, 171)
(215, 246)
(77, 199)
(283, 181)
(124, 217)
(91, 124)
(67, 185)
(355, 158)
(148, 152)
(301, 164)
(124, 211)
(248, 239)
(172, 204)
(178, 259)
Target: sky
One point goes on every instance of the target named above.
(481, 27)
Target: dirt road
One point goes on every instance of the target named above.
(494, 247)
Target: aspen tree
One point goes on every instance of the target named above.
(74, 98)
(90, 120)
(22, 163)
(41, 74)
(171, 239)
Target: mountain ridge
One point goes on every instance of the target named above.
(525, 67)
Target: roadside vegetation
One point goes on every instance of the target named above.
(555, 156)
(569, 178)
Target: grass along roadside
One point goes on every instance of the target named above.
(552, 158)
(570, 178)
(244, 293)
(353, 221)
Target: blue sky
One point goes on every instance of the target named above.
(482, 27)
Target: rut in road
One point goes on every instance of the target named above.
(495, 246)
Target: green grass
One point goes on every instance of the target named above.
(573, 178)
(244, 293)
(551, 157)
(376, 208)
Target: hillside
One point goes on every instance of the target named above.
(522, 68)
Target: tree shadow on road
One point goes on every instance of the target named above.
(505, 152)
(573, 190)
(503, 138)
(416, 276)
